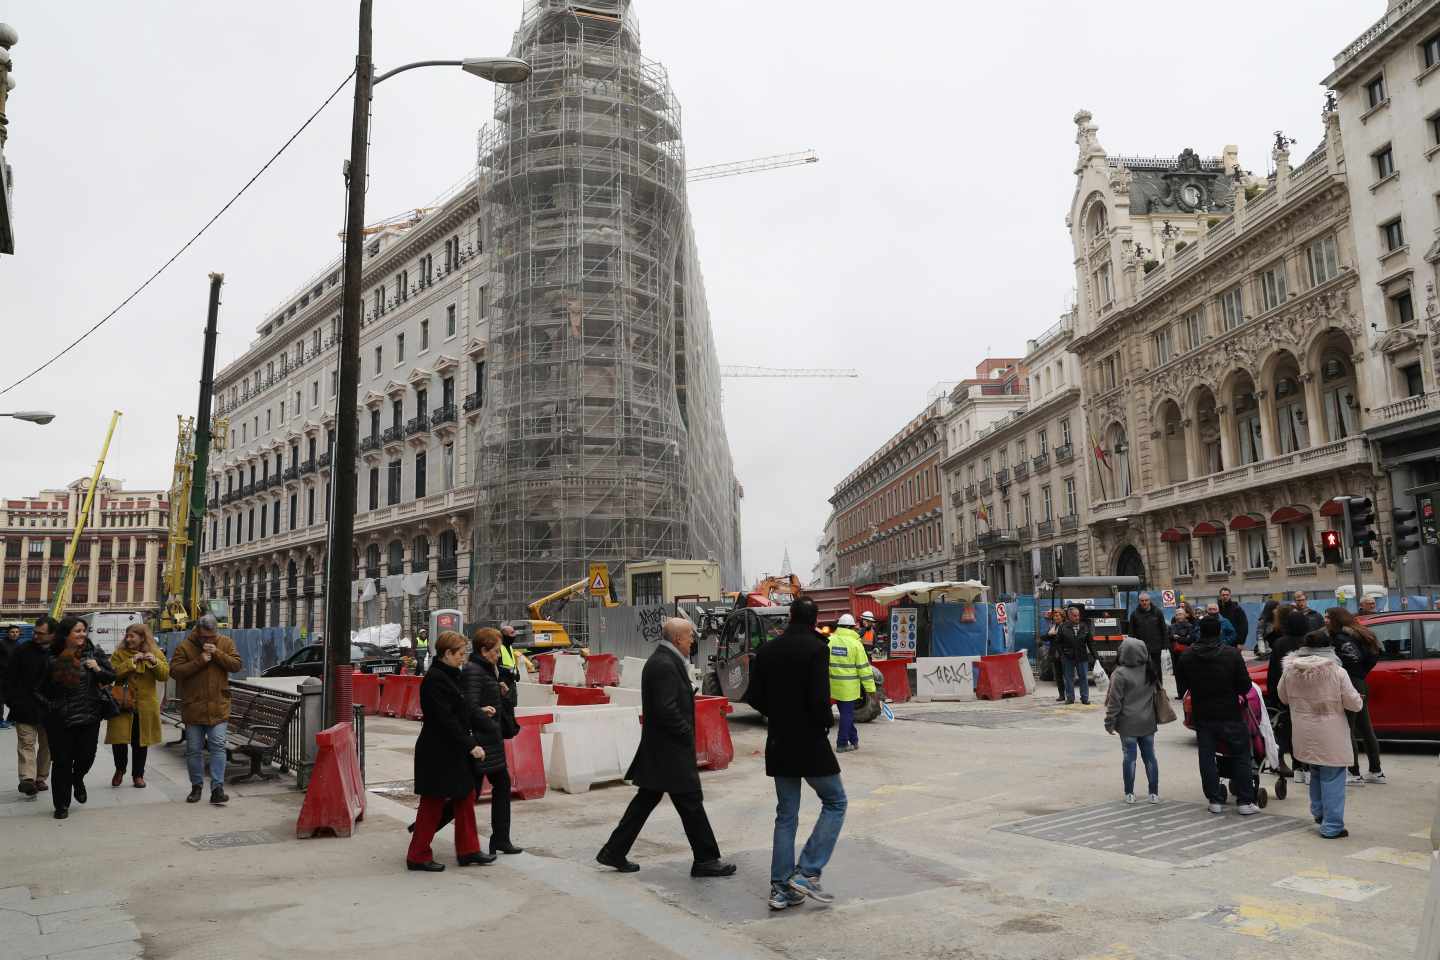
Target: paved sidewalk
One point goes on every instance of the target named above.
(88, 926)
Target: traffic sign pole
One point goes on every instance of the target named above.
(1354, 548)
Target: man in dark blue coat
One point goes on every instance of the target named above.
(665, 761)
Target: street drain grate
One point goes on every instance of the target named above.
(974, 718)
(237, 838)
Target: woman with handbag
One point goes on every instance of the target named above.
(492, 721)
(77, 696)
(140, 669)
(1134, 709)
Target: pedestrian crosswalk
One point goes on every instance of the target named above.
(1169, 832)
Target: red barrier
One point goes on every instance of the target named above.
(400, 697)
(545, 664)
(713, 747)
(578, 696)
(1000, 677)
(602, 670)
(525, 759)
(365, 688)
(335, 799)
(897, 679)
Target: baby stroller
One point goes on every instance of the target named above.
(1265, 755)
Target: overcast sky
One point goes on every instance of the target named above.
(931, 231)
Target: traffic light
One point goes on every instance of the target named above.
(1331, 547)
(1407, 531)
(1362, 526)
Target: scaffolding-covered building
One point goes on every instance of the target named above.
(602, 437)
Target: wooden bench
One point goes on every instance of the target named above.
(258, 726)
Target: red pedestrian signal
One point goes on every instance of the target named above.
(1330, 545)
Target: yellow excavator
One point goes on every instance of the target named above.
(541, 634)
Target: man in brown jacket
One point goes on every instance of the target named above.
(201, 666)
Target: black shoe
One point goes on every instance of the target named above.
(1059, 699)
(1339, 836)
(217, 796)
(712, 868)
(608, 859)
(476, 859)
(80, 795)
(27, 787)
(1319, 819)
(431, 867)
(62, 814)
(1070, 703)
(411, 828)
(509, 849)
(194, 796)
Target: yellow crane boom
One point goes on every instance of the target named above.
(67, 574)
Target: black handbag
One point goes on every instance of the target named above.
(109, 709)
(509, 726)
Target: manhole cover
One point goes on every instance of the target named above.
(973, 718)
(1168, 832)
(238, 838)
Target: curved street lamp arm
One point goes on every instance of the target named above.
(418, 63)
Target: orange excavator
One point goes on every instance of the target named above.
(773, 591)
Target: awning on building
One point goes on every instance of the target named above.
(1332, 508)
(1175, 535)
(1208, 528)
(1247, 521)
(1290, 515)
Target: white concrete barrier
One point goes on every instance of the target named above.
(945, 678)
(591, 745)
(630, 670)
(569, 670)
(623, 696)
(536, 695)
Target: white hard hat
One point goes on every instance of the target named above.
(846, 620)
(867, 615)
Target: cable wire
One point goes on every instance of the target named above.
(188, 243)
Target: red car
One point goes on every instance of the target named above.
(1405, 684)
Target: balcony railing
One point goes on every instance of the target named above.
(369, 443)
(213, 503)
(987, 485)
(394, 434)
(307, 468)
(1022, 533)
(1408, 407)
(1045, 528)
(1312, 460)
(446, 414)
(292, 473)
(997, 538)
(1040, 463)
(957, 498)
(969, 491)
(324, 461)
(1022, 470)
(417, 425)
(1065, 453)
(1069, 523)
(1002, 476)
(472, 402)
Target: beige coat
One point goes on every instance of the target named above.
(1319, 692)
(146, 682)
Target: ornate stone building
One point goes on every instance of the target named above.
(1227, 385)
(119, 558)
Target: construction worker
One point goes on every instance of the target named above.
(850, 672)
(867, 627)
(422, 650)
(509, 674)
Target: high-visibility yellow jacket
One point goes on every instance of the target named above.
(849, 667)
(507, 657)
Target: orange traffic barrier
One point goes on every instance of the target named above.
(897, 678)
(602, 670)
(525, 760)
(1000, 677)
(545, 663)
(578, 696)
(713, 747)
(335, 799)
(365, 689)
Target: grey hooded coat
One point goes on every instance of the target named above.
(1130, 702)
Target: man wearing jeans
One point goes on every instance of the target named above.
(1218, 682)
(1076, 643)
(790, 685)
(201, 666)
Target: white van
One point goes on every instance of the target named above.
(108, 629)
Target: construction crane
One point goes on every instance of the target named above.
(67, 572)
(720, 171)
(735, 372)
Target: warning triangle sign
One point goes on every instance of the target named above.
(598, 584)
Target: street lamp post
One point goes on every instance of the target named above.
(342, 514)
(40, 417)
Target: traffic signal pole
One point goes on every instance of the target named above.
(1354, 548)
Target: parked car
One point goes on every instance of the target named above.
(1405, 684)
(309, 661)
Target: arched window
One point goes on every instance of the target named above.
(1098, 222)
(1207, 423)
(1118, 479)
(1337, 395)
(396, 559)
(1172, 431)
(372, 560)
(449, 545)
(1250, 447)
(1291, 424)
(420, 553)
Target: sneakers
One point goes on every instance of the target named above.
(810, 887)
(217, 796)
(1129, 798)
(783, 898)
(1154, 798)
(1248, 809)
(1376, 777)
(195, 791)
(845, 748)
(1354, 780)
(1302, 776)
(1217, 808)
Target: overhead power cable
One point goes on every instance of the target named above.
(188, 243)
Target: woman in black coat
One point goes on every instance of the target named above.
(443, 753)
(70, 697)
(492, 721)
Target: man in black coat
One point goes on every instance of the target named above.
(790, 685)
(1218, 680)
(1075, 641)
(665, 761)
(1239, 619)
(1147, 624)
(1314, 619)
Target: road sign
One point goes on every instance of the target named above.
(1000, 614)
(1167, 598)
(902, 630)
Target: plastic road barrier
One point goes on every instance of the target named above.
(396, 694)
(579, 696)
(897, 678)
(525, 759)
(602, 670)
(545, 664)
(1027, 674)
(335, 799)
(713, 747)
(569, 670)
(630, 670)
(623, 696)
(365, 689)
(536, 695)
(591, 745)
(1000, 677)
